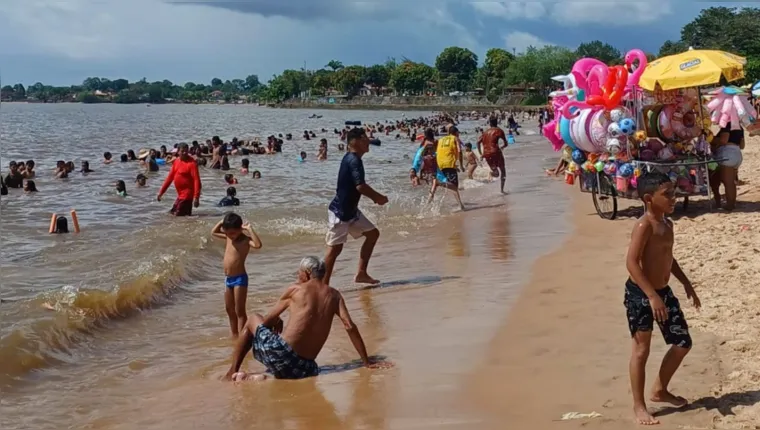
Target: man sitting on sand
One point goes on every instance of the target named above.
(313, 305)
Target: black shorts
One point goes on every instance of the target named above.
(452, 176)
(182, 207)
(674, 330)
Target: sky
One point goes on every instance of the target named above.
(61, 42)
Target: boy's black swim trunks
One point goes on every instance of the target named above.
(640, 317)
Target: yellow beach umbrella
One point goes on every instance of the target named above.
(692, 68)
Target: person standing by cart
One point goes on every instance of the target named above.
(727, 147)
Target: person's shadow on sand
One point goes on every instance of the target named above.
(723, 404)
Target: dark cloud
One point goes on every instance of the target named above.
(303, 9)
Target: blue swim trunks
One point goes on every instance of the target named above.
(236, 281)
(272, 351)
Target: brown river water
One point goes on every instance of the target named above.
(138, 337)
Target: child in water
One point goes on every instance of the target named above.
(230, 199)
(649, 299)
(229, 179)
(86, 167)
(240, 239)
(121, 188)
(303, 156)
(472, 161)
(256, 174)
(244, 169)
(107, 158)
(30, 187)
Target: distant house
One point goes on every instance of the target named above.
(217, 95)
(373, 90)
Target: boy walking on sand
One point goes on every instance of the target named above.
(240, 239)
(648, 298)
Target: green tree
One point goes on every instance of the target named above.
(456, 67)
(492, 75)
(537, 66)
(321, 81)
(19, 92)
(671, 48)
(599, 50)
(334, 65)
(412, 78)
(752, 69)
(216, 82)
(252, 83)
(728, 29)
(349, 80)
(377, 76)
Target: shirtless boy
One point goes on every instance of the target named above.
(240, 239)
(488, 146)
(649, 299)
(313, 304)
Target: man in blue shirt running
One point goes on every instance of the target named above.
(344, 215)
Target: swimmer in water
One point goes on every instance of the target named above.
(60, 170)
(230, 199)
(30, 186)
(141, 180)
(85, 167)
(322, 154)
(121, 188)
(107, 158)
(230, 179)
(303, 156)
(240, 238)
(256, 174)
(244, 163)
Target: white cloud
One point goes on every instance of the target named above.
(612, 13)
(520, 41)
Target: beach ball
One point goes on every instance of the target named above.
(627, 126)
(613, 130)
(613, 146)
(618, 114)
(626, 170)
(578, 156)
(588, 166)
(599, 166)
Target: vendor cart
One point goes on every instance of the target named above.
(605, 194)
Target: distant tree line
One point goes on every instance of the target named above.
(456, 70)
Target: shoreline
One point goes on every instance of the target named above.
(564, 346)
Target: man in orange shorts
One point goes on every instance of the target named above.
(488, 146)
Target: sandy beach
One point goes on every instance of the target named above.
(565, 346)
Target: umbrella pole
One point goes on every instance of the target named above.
(707, 150)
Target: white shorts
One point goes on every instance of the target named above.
(730, 154)
(339, 230)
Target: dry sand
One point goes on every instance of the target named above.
(565, 345)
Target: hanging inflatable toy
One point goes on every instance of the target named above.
(551, 129)
(570, 87)
(730, 105)
(581, 70)
(613, 90)
(635, 73)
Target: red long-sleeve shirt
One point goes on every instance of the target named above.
(186, 178)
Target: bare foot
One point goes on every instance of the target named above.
(364, 278)
(549, 173)
(665, 396)
(643, 417)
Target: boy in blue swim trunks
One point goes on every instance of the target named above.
(240, 239)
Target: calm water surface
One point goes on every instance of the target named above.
(139, 319)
